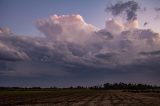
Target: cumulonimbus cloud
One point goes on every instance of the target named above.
(70, 42)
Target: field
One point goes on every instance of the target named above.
(78, 97)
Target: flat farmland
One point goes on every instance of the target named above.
(76, 97)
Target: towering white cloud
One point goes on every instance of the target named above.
(131, 24)
(70, 28)
(114, 26)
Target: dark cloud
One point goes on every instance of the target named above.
(10, 54)
(105, 34)
(157, 9)
(106, 56)
(146, 23)
(152, 53)
(129, 8)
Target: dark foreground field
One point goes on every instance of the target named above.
(75, 97)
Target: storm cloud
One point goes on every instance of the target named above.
(71, 47)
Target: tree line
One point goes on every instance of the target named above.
(106, 86)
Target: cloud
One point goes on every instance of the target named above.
(152, 53)
(70, 28)
(5, 30)
(132, 24)
(146, 23)
(129, 8)
(70, 44)
(9, 54)
(112, 24)
(157, 9)
(88, 50)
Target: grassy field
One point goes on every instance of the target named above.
(78, 97)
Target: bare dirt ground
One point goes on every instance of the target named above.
(78, 98)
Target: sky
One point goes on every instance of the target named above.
(20, 15)
(78, 42)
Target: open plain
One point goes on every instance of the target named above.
(78, 97)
